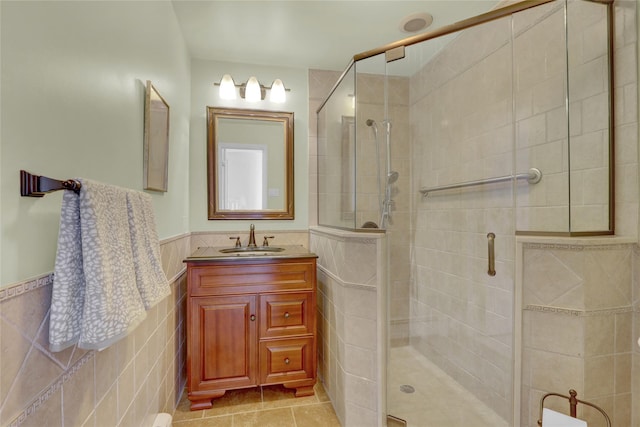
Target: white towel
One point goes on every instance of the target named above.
(555, 419)
(150, 278)
(96, 298)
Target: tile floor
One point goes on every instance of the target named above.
(276, 406)
(430, 404)
(268, 406)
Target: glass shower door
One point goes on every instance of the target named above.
(450, 331)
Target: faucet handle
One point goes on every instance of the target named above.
(238, 244)
(265, 242)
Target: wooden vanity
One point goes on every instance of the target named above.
(251, 321)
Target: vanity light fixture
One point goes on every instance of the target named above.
(227, 87)
(277, 94)
(252, 90)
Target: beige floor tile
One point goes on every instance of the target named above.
(321, 393)
(321, 415)
(268, 418)
(222, 421)
(236, 401)
(263, 407)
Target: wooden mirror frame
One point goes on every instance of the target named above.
(156, 140)
(214, 211)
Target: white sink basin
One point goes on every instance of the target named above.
(255, 251)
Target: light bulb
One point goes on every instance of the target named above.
(252, 91)
(277, 92)
(227, 87)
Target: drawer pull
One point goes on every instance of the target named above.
(252, 317)
(286, 315)
(286, 361)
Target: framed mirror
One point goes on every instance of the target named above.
(156, 140)
(249, 164)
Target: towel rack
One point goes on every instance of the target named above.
(573, 403)
(37, 186)
(533, 177)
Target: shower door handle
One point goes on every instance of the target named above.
(492, 254)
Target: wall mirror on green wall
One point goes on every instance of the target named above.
(249, 164)
(156, 140)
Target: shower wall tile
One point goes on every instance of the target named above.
(370, 97)
(577, 300)
(321, 82)
(601, 378)
(634, 346)
(439, 158)
(565, 340)
(626, 114)
(621, 377)
(622, 409)
(125, 384)
(587, 68)
(349, 335)
(327, 202)
(599, 335)
(635, 388)
(623, 334)
(573, 276)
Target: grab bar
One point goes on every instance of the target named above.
(491, 271)
(533, 177)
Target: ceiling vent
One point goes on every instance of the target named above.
(416, 22)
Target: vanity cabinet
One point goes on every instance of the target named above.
(250, 322)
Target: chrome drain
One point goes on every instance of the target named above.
(406, 388)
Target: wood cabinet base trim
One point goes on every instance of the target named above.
(303, 387)
(199, 403)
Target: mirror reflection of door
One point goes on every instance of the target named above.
(229, 188)
(242, 176)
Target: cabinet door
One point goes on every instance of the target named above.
(224, 342)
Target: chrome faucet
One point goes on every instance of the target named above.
(252, 237)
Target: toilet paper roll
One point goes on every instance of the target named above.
(555, 419)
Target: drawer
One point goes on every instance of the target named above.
(286, 360)
(284, 315)
(242, 277)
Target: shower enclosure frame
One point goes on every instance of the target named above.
(492, 15)
(479, 20)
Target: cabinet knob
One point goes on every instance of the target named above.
(252, 317)
(286, 315)
(286, 361)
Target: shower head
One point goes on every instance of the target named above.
(392, 177)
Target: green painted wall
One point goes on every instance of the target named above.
(72, 105)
